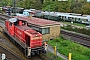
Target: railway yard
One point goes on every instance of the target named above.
(44, 30)
(13, 53)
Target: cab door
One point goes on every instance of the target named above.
(27, 39)
(11, 28)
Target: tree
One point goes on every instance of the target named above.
(42, 1)
(30, 4)
(76, 6)
(86, 8)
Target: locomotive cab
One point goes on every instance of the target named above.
(11, 23)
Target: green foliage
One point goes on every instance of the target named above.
(65, 47)
(6, 3)
(51, 56)
(31, 4)
(79, 30)
(23, 3)
(86, 8)
(0, 11)
(55, 6)
(76, 6)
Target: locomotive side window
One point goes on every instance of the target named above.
(24, 22)
(16, 23)
(10, 24)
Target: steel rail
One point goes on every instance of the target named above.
(84, 39)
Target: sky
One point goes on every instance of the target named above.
(88, 0)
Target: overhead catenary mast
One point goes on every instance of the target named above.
(14, 7)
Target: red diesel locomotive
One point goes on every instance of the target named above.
(27, 39)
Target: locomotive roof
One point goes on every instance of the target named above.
(28, 29)
(13, 20)
(39, 21)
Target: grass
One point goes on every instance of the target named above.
(52, 57)
(77, 24)
(65, 47)
(2, 21)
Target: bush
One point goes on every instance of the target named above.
(79, 30)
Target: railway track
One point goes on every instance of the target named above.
(4, 17)
(9, 55)
(79, 38)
